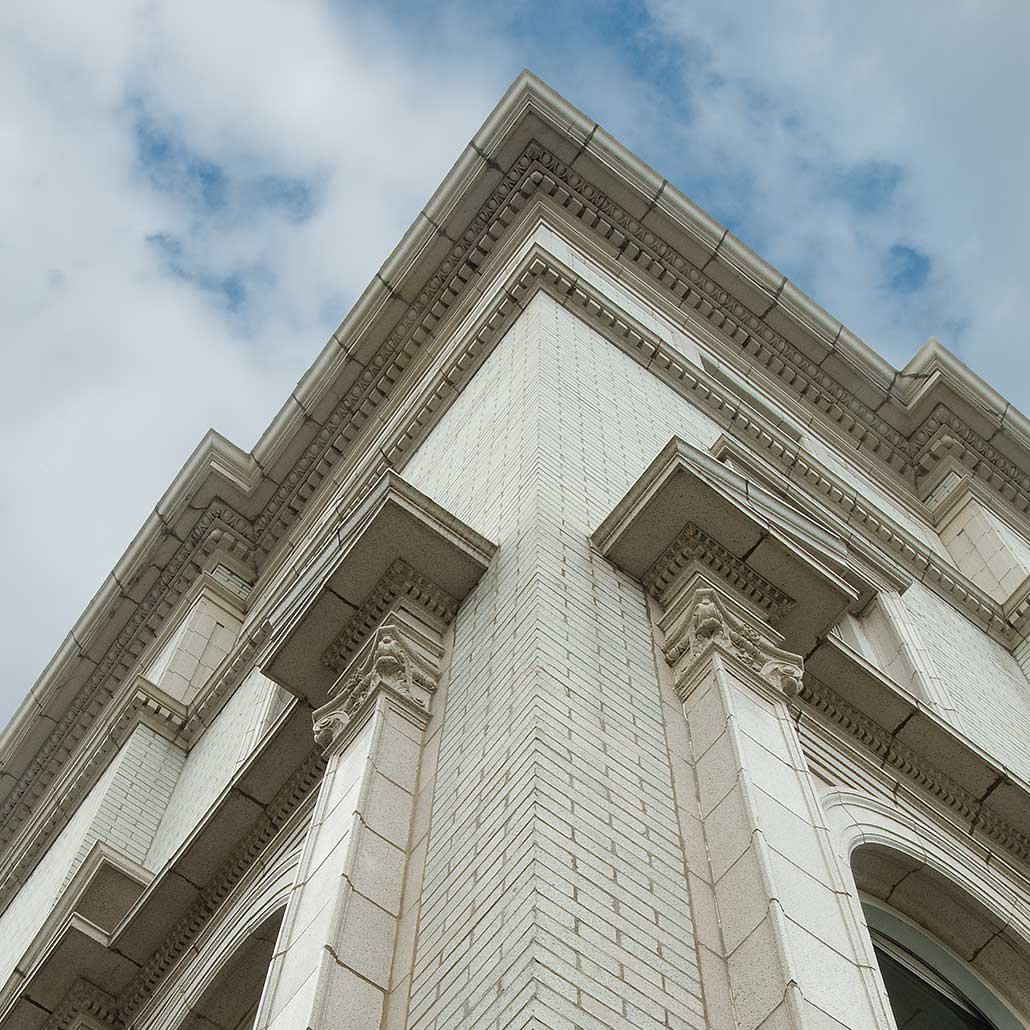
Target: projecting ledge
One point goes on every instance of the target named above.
(78, 945)
(686, 487)
(395, 524)
(852, 693)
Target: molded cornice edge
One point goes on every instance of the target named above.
(85, 1006)
(142, 703)
(499, 306)
(178, 902)
(37, 743)
(906, 738)
(388, 522)
(641, 536)
(533, 143)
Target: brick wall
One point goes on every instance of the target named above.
(205, 636)
(983, 680)
(123, 809)
(211, 764)
(554, 892)
(145, 773)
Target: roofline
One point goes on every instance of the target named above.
(218, 459)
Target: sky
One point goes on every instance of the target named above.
(194, 194)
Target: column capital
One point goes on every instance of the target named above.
(386, 662)
(703, 617)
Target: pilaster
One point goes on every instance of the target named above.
(788, 941)
(337, 957)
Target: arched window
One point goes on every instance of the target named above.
(929, 987)
(964, 919)
(230, 1002)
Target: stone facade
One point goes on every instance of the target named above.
(602, 636)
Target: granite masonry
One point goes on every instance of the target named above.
(600, 636)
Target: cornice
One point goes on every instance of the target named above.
(143, 703)
(544, 272)
(540, 271)
(287, 800)
(703, 272)
(943, 433)
(400, 580)
(84, 999)
(806, 378)
(219, 527)
(973, 810)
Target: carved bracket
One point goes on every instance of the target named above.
(400, 581)
(693, 547)
(84, 1007)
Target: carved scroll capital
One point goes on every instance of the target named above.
(388, 661)
(704, 618)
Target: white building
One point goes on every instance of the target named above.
(600, 636)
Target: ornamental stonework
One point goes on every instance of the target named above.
(609, 646)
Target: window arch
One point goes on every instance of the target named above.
(938, 947)
(929, 986)
(946, 890)
(230, 1001)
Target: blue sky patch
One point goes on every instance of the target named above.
(173, 168)
(867, 187)
(231, 290)
(906, 269)
(213, 189)
(295, 198)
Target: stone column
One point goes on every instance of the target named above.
(788, 938)
(333, 960)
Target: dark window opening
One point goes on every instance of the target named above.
(920, 998)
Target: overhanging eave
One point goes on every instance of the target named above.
(684, 485)
(396, 523)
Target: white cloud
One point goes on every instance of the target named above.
(115, 363)
(939, 96)
(114, 366)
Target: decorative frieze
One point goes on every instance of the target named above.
(401, 579)
(296, 789)
(972, 810)
(539, 172)
(695, 546)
